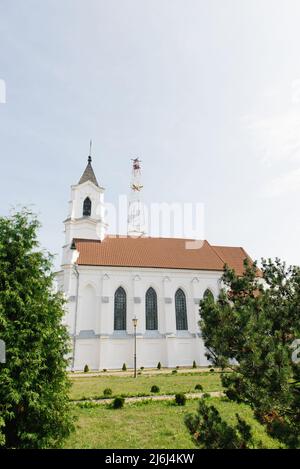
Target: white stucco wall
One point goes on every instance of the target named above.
(99, 346)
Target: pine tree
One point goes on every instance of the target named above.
(254, 324)
(33, 382)
(209, 431)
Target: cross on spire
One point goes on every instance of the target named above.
(90, 153)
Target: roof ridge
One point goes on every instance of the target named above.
(88, 239)
(213, 248)
(229, 247)
(152, 237)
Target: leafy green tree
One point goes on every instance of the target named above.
(2, 437)
(251, 328)
(34, 403)
(209, 431)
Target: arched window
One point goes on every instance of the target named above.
(151, 310)
(208, 294)
(181, 314)
(87, 207)
(120, 310)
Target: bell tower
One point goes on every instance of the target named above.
(86, 214)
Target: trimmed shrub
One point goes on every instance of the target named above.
(212, 370)
(107, 392)
(142, 368)
(158, 365)
(194, 364)
(205, 395)
(177, 367)
(86, 368)
(199, 387)
(87, 405)
(124, 367)
(154, 388)
(180, 398)
(118, 403)
(174, 372)
(104, 369)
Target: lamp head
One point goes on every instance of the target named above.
(134, 320)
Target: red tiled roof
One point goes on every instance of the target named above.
(233, 256)
(167, 253)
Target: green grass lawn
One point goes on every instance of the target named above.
(150, 425)
(92, 387)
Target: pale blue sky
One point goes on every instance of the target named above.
(207, 93)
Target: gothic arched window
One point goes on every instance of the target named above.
(181, 314)
(87, 207)
(151, 310)
(120, 310)
(208, 294)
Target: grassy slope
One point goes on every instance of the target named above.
(149, 425)
(92, 387)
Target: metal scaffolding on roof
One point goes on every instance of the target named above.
(136, 216)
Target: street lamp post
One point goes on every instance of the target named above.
(134, 320)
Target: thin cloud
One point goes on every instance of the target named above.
(284, 184)
(277, 137)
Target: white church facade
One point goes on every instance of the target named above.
(108, 280)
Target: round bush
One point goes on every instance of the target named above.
(154, 388)
(205, 395)
(212, 370)
(86, 369)
(199, 387)
(180, 399)
(174, 372)
(118, 402)
(107, 392)
(142, 368)
(104, 369)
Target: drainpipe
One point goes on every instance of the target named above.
(76, 313)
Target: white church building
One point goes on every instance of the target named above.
(108, 280)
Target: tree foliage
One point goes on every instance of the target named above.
(253, 325)
(34, 406)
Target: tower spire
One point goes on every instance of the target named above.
(89, 174)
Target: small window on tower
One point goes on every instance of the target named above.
(87, 207)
